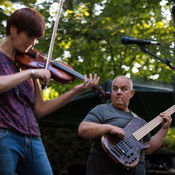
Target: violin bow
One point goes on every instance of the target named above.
(60, 4)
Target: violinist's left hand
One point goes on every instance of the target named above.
(93, 81)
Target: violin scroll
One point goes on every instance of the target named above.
(101, 92)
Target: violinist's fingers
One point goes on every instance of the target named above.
(47, 81)
(85, 79)
(48, 75)
(91, 82)
(96, 79)
(90, 79)
(40, 73)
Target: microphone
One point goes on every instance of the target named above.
(128, 40)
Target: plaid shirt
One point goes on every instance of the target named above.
(14, 102)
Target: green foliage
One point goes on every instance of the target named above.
(92, 36)
(169, 143)
(50, 93)
(88, 39)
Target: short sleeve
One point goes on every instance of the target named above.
(95, 115)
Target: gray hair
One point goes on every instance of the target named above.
(122, 76)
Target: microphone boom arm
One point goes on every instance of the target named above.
(167, 62)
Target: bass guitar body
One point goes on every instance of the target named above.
(126, 152)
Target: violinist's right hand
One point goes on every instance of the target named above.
(42, 74)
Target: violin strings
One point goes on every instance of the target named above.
(68, 70)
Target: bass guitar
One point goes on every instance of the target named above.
(127, 152)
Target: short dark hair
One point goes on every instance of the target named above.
(27, 20)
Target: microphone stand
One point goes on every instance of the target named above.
(167, 62)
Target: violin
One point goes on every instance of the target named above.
(60, 72)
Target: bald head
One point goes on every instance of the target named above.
(123, 77)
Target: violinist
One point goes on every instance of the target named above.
(21, 148)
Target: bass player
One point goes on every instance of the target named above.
(112, 118)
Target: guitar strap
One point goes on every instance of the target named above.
(134, 114)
